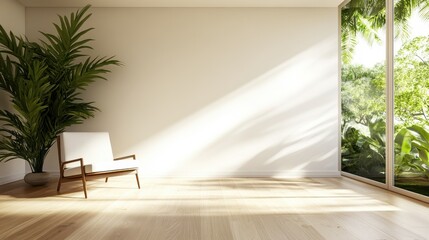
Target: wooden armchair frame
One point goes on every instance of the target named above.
(87, 176)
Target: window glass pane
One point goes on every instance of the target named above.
(363, 86)
(411, 79)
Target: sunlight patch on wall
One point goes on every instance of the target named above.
(282, 121)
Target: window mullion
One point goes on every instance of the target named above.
(390, 93)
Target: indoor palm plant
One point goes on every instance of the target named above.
(44, 81)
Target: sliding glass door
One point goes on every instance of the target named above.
(363, 85)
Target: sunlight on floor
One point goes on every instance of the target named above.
(209, 197)
(167, 208)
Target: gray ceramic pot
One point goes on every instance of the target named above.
(37, 179)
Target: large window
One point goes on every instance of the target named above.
(366, 75)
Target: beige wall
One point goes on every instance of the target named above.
(215, 91)
(12, 18)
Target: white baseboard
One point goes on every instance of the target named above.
(258, 174)
(250, 174)
(11, 178)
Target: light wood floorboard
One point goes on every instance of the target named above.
(212, 209)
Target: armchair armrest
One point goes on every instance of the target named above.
(133, 156)
(72, 161)
(63, 164)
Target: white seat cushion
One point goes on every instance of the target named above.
(103, 167)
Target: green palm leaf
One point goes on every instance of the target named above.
(44, 81)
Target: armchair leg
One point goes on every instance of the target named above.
(137, 178)
(84, 185)
(107, 178)
(59, 184)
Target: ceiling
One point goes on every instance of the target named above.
(182, 3)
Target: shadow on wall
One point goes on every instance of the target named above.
(283, 123)
(281, 144)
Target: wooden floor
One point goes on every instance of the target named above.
(228, 208)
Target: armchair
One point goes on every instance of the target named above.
(88, 155)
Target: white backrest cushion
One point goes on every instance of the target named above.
(93, 147)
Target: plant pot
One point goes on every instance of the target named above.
(37, 179)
